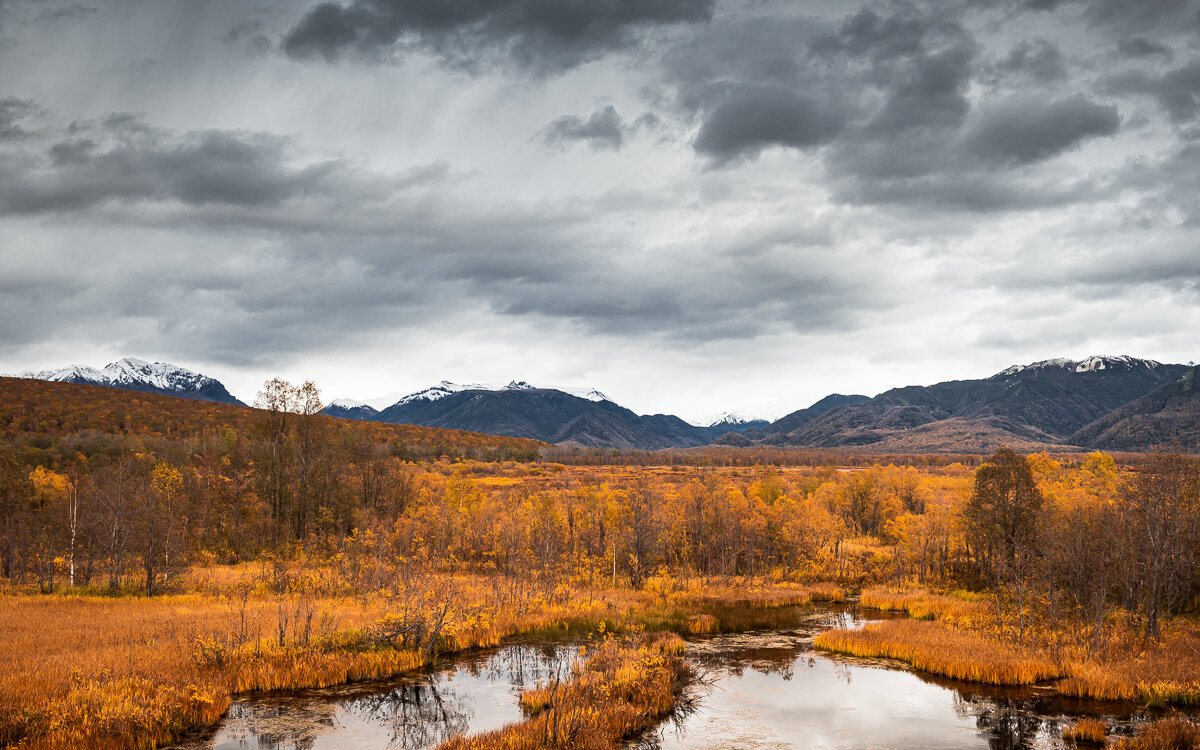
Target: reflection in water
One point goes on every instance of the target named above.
(772, 690)
(475, 694)
(757, 690)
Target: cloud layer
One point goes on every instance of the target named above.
(693, 205)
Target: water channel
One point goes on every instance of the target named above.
(756, 691)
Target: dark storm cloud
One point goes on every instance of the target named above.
(13, 112)
(121, 159)
(249, 36)
(1141, 47)
(1177, 90)
(72, 12)
(1123, 15)
(542, 35)
(752, 118)
(1023, 130)
(604, 129)
(1041, 60)
(893, 79)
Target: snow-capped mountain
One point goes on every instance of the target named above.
(734, 421)
(403, 407)
(139, 375)
(1090, 364)
(1033, 405)
(446, 388)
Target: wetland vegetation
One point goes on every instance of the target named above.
(154, 569)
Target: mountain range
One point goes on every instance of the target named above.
(1034, 406)
(147, 377)
(1110, 403)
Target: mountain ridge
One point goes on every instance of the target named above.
(132, 374)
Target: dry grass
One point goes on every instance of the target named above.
(1165, 674)
(622, 688)
(960, 606)
(939, 649)
(1164, 734)
(1087, 730)
(95, 672)
(702, 624)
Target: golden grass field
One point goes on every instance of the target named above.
(98, 672)
(956, 637)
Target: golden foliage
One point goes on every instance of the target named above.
(1175, 733)
(1087, 730)
(940, 649)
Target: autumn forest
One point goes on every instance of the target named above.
(211, 550)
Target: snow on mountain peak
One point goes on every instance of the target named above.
(137, 374)
(1090, 364)
(347, 403)
(71, 373)
(446, 388)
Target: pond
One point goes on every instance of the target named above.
(757, 690)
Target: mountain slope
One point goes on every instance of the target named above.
(31, 408)
(1029, 405)
(546, 414)
(1168, 416)
(138, 375)
(774, 432)
(345, 408)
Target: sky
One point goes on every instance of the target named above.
(695, 206)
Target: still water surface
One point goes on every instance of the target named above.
(758, 690)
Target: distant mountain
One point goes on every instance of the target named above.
(775, 431)
(1168, 416)
(1029, 406)
(547, 414)
(147, 377)
(734, 423)
(351, 409)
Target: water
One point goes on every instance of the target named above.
(757, 691)
(474, 694)
(772, 690)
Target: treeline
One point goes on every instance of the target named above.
(78, 506)
(1081, 544)
(47, 423)
(1054, 537)
(722, 456)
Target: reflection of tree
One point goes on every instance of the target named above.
(770, 661)
(419, 715)
(1008, 724)
(416, 713)
(278, 724)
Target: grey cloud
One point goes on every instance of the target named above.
(931, 95)
(752, 118)
(879, 76)
(1143, 14)
(604, 129)
(1041, 60)
(1142, 47)
(970, 191)
(1022, 130)
(1178, 91)
(122, 159)
(72, 12)
(541, 35)
(249, 36)
(12, 112)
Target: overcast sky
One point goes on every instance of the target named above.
(693, 206)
